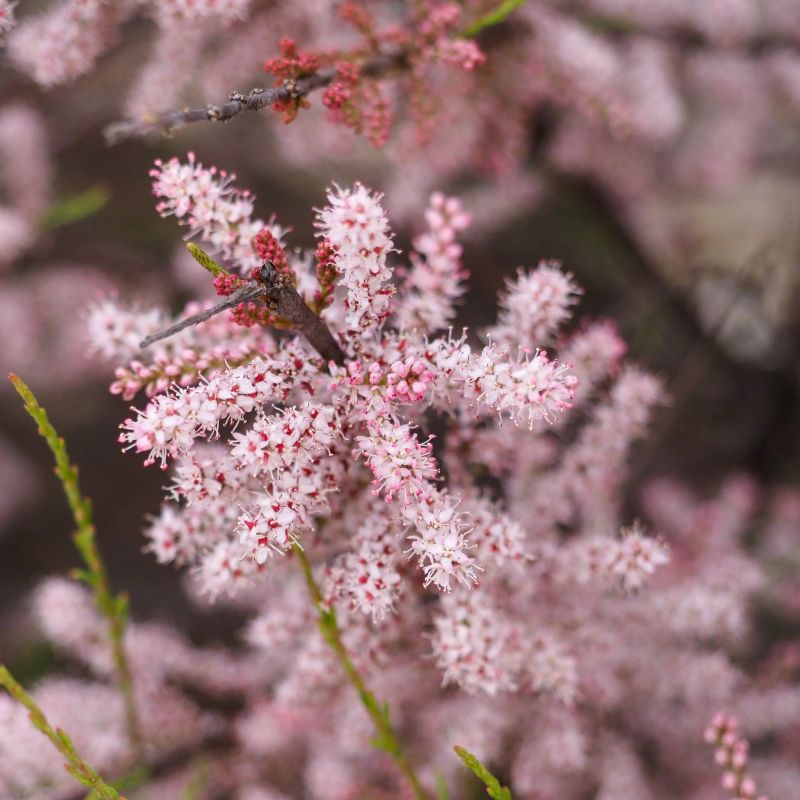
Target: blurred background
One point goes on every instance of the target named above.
(698, 268)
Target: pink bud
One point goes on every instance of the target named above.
(729, 781)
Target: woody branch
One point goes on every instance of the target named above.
(255, 100)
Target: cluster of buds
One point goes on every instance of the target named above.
(732, 754)
(287, 68)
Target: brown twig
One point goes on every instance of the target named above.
(255, 100)
(281, 297)
(284, 300)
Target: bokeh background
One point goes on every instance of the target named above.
(715, 309)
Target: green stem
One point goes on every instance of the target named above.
(494, 788)
(205, 260)
(75, 765)
(494, 17)
(113, 607)
(329, 627)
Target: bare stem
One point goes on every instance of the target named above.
(255, 100)
(286, 301)
(379, 713)
(113, 607)
(281, 297)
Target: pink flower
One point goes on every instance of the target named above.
(636, 557)
(171, 422)
(270, 527)
(7, 20)
(473, 647)
(436, 279)
(356, 225)
(204, 200)
(534, 307)
(368, 575)
(732, 754)
(531, 389)
(400, 463)
(463, 53)
(440, 543)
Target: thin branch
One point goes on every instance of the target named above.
(386, 739)
(280, 296)
(243, 295)
(113, 607)
(255, 100)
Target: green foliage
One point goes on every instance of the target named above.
(385, 737)
(75, 765)
(494, 17)
(133, 780)
(493, 787)
(113, 607)
(205, 260)
(75, 208)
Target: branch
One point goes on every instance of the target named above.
(255, 100)
(113, 607)
(285, 301)
(281, 297)
(386, 739)
(382, 64)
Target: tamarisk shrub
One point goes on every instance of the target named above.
(481, 582)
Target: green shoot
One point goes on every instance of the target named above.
(113, 607)
(493, 787)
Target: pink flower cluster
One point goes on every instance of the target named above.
(204, 200)
(25, 173)
(354, 222)
(435, 281)
(542, 298)
(115, 332)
